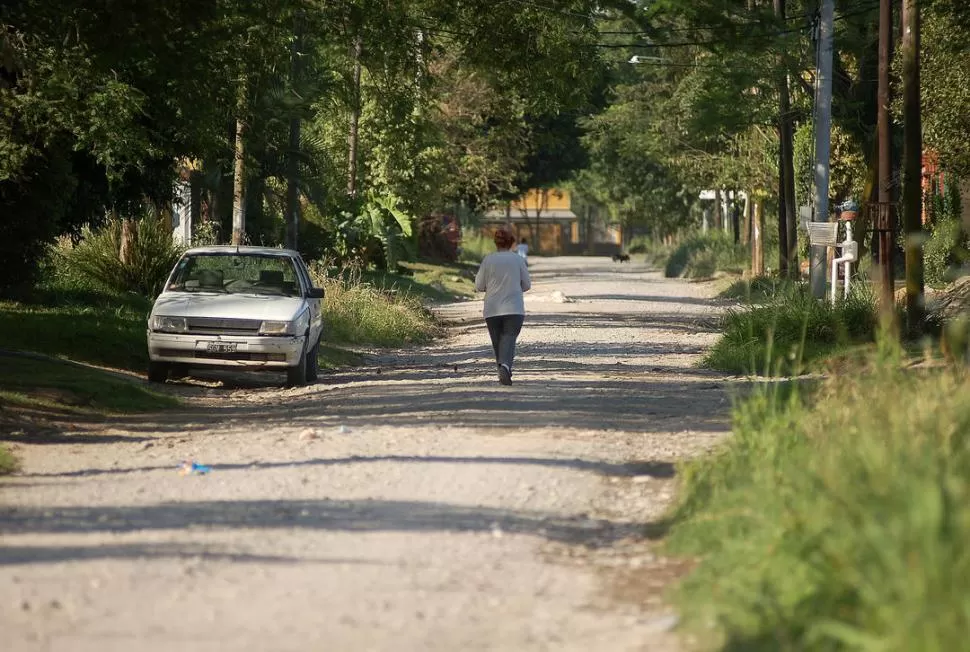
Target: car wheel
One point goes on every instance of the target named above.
(312, 365)
(178, 371)
(297, 374)
(157, 371)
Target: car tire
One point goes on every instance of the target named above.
(312, 365)
(296, 376)
(178, 371)
(157, 371)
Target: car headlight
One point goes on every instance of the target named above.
(165, 324)
(277, 328)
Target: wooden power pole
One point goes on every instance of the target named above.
(885, 213)
(912, 166)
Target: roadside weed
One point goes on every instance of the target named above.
(357, 312)
(8, 463)
(792, 330)
(835, 518)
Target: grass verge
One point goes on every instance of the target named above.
(8, 463)
(835, 520)
(36, 383)
(760, 289)
(792, 331)
(436, 282)
(97, 328)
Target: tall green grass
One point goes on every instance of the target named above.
(758, 289)
(835, 522)
(701, 255)
(792, 330)
(8, 463)
(358, 312)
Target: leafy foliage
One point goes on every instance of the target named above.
(947, 247)
(945, 83)
(151, 257)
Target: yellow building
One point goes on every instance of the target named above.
(545, 218)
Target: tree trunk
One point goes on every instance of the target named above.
(787, 214)
(239, 172)
(746, 226)
(757, 240)
(735, 218)
(293, 159)
(912, 166)
(128, 233)
(353, 136)
(541, 202)
(718, 217)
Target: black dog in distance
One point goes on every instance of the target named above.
(621, 258)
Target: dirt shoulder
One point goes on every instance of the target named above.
(411, 503)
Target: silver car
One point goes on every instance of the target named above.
(237, 308)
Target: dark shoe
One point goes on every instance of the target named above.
(504, 375)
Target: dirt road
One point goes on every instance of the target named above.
(412, 504)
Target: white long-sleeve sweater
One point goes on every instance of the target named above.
(503, 277)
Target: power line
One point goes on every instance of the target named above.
(674, 44)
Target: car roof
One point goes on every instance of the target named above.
(242, 250)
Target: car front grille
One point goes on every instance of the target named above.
(217, 326)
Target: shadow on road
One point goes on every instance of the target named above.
(628, 469)
(352, 516)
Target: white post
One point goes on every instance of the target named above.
(851, 254)
(835, 276)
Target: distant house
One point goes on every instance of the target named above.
(546, 219)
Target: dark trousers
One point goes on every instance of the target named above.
(504, 330)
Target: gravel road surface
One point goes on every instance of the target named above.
(412, 503)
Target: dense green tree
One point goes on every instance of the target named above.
(945, 83)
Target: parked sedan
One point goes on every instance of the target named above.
(237, 308)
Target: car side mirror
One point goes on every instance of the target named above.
(316, 293)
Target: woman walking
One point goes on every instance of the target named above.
(503, 277)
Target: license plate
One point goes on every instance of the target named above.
(221, 347)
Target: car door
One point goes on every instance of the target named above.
(315, 304)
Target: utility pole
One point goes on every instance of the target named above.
(912, 166)
(884, 178)
(823, 135)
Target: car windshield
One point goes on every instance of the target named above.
(236, 273)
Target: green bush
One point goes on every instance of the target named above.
(838, 523)
(96, 258)
(792, 330)
(701, 255)
(947, 246)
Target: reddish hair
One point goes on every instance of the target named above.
(504, 238)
